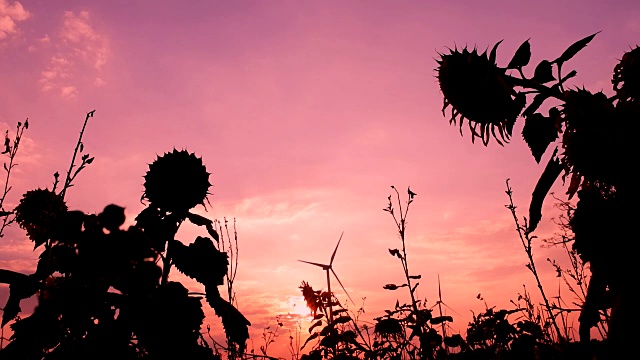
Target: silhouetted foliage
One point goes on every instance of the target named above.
(104, 291)
(597, 135)
(407, 331)
(412, 330)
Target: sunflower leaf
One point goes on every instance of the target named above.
(393, 286)
(315, 325)
(520, 101)
(10, 276)
(236, 326)
(59, 258)
(543, 72)
(440, 319)
(21, 287)
(313, 336)
(198, 219)
(342, 319)
(212, 231)
(203, 221)
(454, 340)
(551, 172)
(200, 260)
(539, 131)
(574, 49)
(535, 105)
(576, 179)
(521, 57)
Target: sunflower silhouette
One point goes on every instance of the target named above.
(38, 212)
(626, 76)
(479, 91)
(176, 182)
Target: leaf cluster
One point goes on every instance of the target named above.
(103, 289)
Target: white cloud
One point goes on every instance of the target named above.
(69, 92)
(55, 75)
(86, 42)
(80, 54)
(10, 14)
(76, 27)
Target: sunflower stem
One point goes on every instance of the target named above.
(521, 73)
(166, 265)
(530, 84)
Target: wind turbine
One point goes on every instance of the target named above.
(328, 268)
(440, 303)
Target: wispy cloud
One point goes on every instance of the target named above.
(85, 41)
(11, 13)
(78, 49)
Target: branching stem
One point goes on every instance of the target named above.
(526, 243)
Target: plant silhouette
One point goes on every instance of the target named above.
(104, 291)
(408, 331)
(597, 136)
(411, 330)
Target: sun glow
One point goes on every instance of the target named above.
(297, 306)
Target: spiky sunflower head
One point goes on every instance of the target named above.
(479, 91)
(312, 297)
(38, 213)
(590, 137)
(176, 182)
(626, 76)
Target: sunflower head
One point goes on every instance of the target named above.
(479, 91)
(312, 297)
(590, 137)
(176, 182)
(38, 213)
(626, 76)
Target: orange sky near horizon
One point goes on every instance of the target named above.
(305, 114)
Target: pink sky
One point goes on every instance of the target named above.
(305, 113)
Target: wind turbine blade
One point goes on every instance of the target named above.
(439, 291)
(323, 266)
(449, 307)
(336, 250)
(340, 282)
